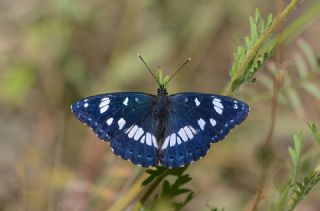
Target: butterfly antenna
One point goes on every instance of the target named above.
(180, 68)
(148, 68)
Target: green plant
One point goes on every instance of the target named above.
(248, 59)
(170, 190)
(294, 190)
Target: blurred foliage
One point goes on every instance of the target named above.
(55, 52)
(305, 75)
(294, 191)
(17, 83)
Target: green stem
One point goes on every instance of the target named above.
(131, 194)
(275, 24)
(151, 188)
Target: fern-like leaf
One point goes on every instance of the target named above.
(242, 71)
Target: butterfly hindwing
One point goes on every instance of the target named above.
(125, 120)
(195, 121)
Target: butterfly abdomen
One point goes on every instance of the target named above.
(161, 114)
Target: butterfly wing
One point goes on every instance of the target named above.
(124, 119)
(195, 121)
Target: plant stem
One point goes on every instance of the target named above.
(275, 24)
(278, 78)
(134, 191)
(267, 148)
(151, 188)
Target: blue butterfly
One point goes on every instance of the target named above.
(169, 130)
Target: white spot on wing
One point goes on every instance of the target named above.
(149, 139)
(188, 132)
(105, 99)
(109, 121)
(201, 123)
(193, 130)
(183, 134)
(166, 143)
(218, 107)
(197, 101)
(104, 104)
(173, 139)
(178, 140)
(143, 138)
(104, 109)
(217, 104)
(121, 123)
(128, 130)
(138, 134)
(213, 122)
(133, 131)
(235, 106)
(86, 105)
(217, 99)
(125, 102)
(218, 110)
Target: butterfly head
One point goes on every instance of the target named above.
(163, 83)
(162, 91)
(160, 79)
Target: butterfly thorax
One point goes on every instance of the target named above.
(161, 113)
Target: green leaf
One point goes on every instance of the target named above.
(16, 83)
(295, 156)
(166, 188)
(170, 190)
(301, 66)
(257, 29)
(154, 173)
(283, 198)
(302, 189)
(293, 97)
(309, 54)
(315, 131)
(312, 89)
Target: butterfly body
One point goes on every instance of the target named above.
(151, 130)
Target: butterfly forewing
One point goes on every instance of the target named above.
(124, 119)
(195, 120)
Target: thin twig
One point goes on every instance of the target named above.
(56, 162)
(268, 146)
(134, 191)
(268, 143)
(153, 186)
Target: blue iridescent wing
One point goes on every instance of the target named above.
(124, 119)
(195, 121)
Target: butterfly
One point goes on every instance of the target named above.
(168, 130)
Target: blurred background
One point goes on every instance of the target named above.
(56, 51)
